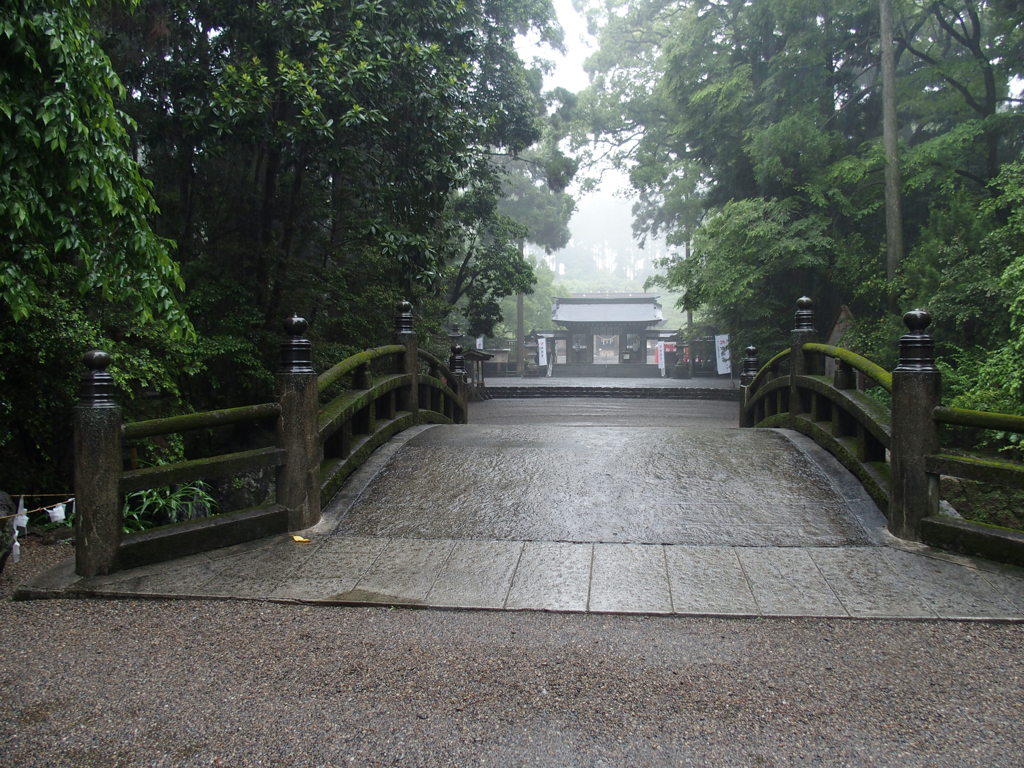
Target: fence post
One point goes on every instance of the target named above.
(457, 365)
(916, 388)
(298, 479)
(800, 363)
(97, 425)
(410, 399)
(750, 368)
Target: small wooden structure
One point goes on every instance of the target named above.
(475, 386)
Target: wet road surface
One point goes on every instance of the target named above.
(651, 485)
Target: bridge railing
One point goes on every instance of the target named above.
(892, 441)
(325, 427)
(391, 388)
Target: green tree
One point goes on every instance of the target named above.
(80, 265)
(725, 110)
(330, 158)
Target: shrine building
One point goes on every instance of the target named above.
(609, 335)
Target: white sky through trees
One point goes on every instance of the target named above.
(602, 225)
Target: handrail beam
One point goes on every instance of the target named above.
(875, 372)
(963, 417)
(204, 420)
(349, 364)
(197, 469)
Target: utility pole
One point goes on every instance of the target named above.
(893, 182)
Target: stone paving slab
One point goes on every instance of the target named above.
(857, 582)
(708, 580)
(478, 574)
(629, 578)
(552, 576)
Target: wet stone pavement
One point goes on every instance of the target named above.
(603, 506)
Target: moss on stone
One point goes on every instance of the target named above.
(349, 364)
(965, 417)
(858, 362)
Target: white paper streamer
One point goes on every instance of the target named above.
(56, 513)
(15, 551)
(20, 518)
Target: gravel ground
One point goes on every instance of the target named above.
(190, 683)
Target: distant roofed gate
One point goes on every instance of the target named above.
(608, 335)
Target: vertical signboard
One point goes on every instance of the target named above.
(722, 354)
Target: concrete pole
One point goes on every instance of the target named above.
(298, 479)
(409, 400)
(98, 505)
(799, 363)
(750, 369)
(916, 389)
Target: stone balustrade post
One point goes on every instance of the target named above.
(916, 389)
(98, 504)
(457, 365)
(298, 479)
(801, 363)
(751, 365)
(409, 397)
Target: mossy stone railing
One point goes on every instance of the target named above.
(894, 450)
(393, 388)
(834, 411)
(316, 445)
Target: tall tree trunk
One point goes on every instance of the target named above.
(893, 182)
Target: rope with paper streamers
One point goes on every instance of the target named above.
(56, 512)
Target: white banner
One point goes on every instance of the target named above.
(722, 354)
(659, 355)
(542, 352)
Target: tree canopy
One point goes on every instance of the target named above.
(752, 130)
(180, 176)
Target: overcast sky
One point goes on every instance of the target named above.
(610, 203)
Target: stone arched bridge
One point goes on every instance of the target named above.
(602, 505)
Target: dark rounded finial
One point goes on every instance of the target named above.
(295, 325)
(96, 360)
(296, 351)
(804, 314)
(916, 320)
(403, 318)
(750, 351)
(917, 347)
(97, 390)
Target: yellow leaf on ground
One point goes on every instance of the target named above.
(300, 539)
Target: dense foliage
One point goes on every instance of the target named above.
(178, 177)
(753, 131)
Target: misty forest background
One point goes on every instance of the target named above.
(177, 177)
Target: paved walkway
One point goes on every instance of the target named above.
(602, 506)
